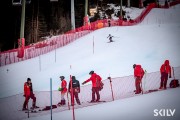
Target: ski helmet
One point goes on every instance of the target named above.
(28, 79)
(134, 65)
(62, 77)
(73, 77)
(91, 72)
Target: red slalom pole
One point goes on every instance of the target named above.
(72, 98)
(111, 87)
(93, 44)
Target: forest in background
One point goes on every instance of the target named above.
(43, 18)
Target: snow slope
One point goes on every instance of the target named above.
(136, 108)
(146, 44)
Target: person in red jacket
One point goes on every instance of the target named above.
(165, 70)
(28, 93)
(63, 90)
(138, 75)
(95, 88)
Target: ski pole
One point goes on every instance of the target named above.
(173, 72)
(116, 37)
(145, 80)
(141, 86)
(173, 76)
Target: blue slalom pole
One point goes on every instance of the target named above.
(51, 95)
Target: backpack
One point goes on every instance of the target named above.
(174, 83)
(99, 83)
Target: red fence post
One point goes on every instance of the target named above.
(72, 98)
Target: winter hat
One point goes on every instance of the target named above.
(73, 77)
(134, 65)
(91, 72)
(166, 62)
(62, 77)
(28, 79)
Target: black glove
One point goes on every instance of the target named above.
(169, 76)
(84, 82)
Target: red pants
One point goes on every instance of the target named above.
(164, 78)
(27, 100)
(95, 90)
(75, 94)
(137, 84)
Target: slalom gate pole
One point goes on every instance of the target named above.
(39, 62)
(55, 55)
(173, 75)
(141, 84)
(145, 81)
(68, 95)
(173, 72)
(111, 87)
(51, 95)
(72, 98)
(93, 44)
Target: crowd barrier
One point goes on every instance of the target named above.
(116, 89)
(36, 49)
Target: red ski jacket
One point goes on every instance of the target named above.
(27, 89)
(166, 68)
(63, 85)
(138, 71)
(94, 77)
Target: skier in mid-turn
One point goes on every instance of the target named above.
(110, 38)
